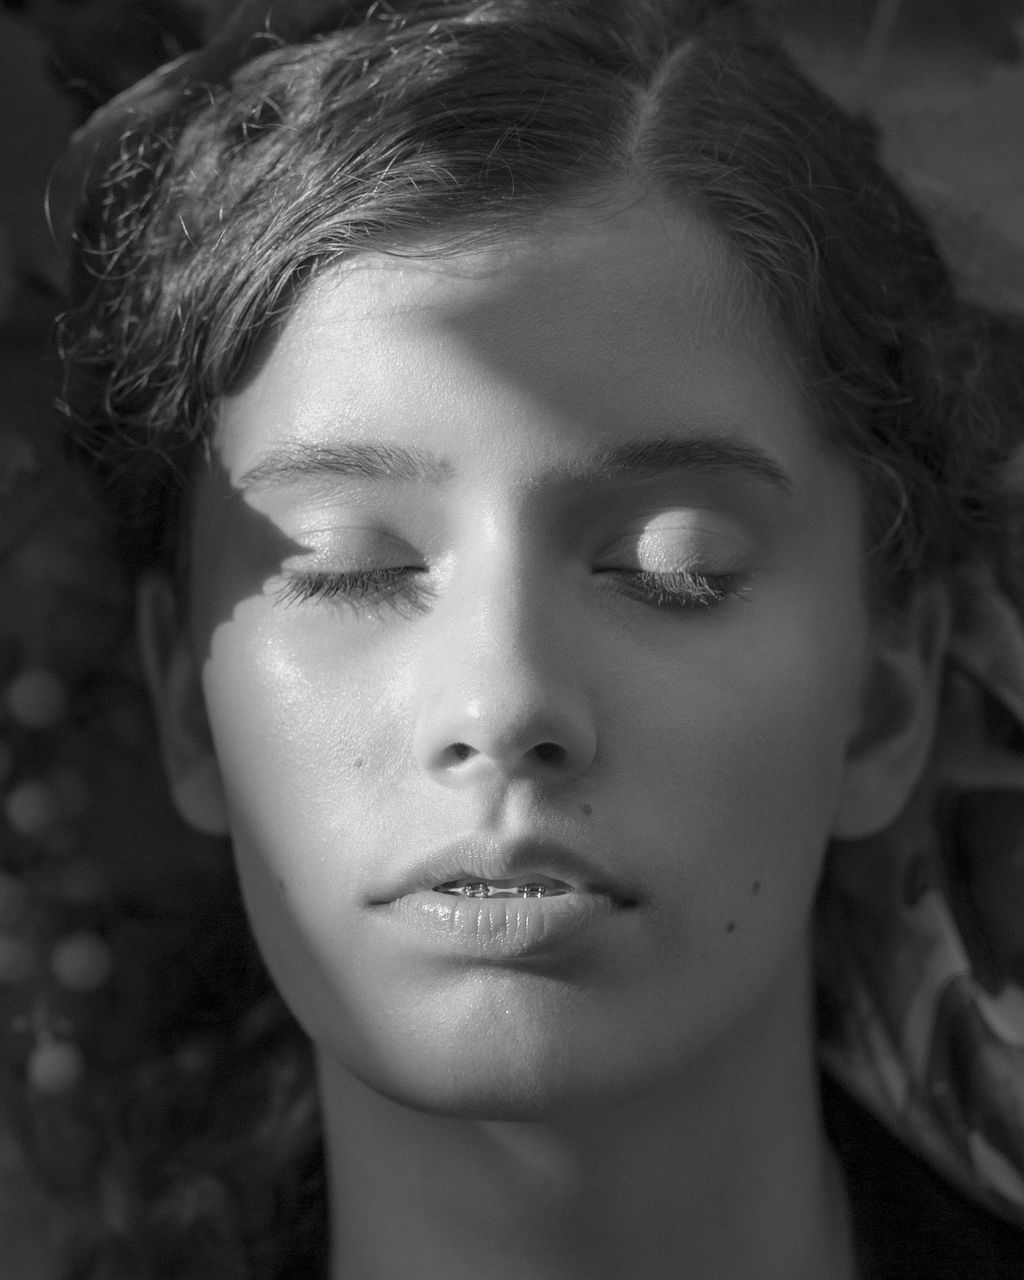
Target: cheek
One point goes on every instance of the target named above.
(300, 731)
(737, 760)
(310, 767)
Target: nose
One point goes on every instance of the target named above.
(502, 696)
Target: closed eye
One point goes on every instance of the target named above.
(397, 586)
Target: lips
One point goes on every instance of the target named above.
(488, 867)
(506, 902)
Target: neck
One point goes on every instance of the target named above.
(724, 1173)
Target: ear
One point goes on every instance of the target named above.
(175, 690)
(900, 700)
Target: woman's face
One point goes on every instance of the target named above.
(529, 569)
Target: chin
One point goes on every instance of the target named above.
(500, 1095)
(506, 1049)
(517, 1078)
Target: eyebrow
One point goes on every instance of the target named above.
(649, 459)
(372, 461)
(636, 460)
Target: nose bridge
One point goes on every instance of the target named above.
(501, 683)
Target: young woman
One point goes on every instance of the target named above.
(554, 462)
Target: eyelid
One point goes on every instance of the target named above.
(338, 548)
(682, 540)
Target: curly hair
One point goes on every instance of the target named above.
(427, 127)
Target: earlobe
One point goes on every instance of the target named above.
(890, 749)
(175, 690)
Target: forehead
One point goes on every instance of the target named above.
(594, 325)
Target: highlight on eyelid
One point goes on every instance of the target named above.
(690, 539)
(681, 559)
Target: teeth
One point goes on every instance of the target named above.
(498, 889)
(480, 889)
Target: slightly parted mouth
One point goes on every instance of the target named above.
(530, 886)
(486, 867)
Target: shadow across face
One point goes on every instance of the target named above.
(235, 550)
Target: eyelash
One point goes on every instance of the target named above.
(363, 588)
(682, 589)
(401, 587)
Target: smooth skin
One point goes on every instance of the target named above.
(545, 540)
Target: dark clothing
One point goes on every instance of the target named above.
(910, 1224)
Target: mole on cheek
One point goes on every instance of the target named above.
(731, 927)
(756, 888)
(357, 763)
(587, 809)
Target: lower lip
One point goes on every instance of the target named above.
(500, 928)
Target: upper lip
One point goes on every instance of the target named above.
(482, 857)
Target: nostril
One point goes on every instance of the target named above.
(542, 753)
